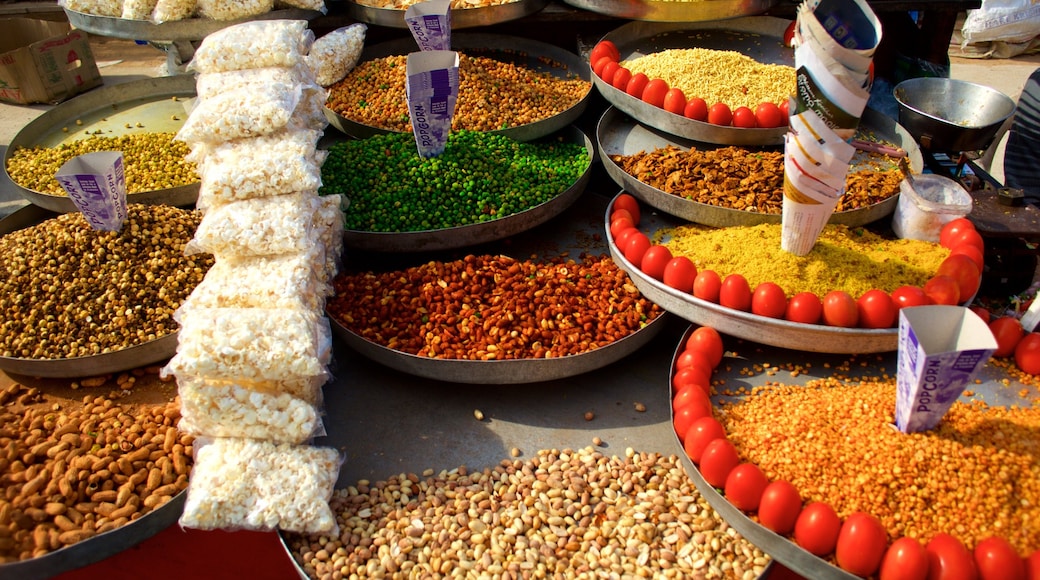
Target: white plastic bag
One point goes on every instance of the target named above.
(238, 114)
(255, 44)
(219, 409)
(281, 224)
(1012, 21)
(335, 54)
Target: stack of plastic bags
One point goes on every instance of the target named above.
(160, 11)
(835, 43)
(254, 345)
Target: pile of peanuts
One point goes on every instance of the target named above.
(563, 513)
(70, 470)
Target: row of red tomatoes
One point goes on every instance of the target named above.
(859, 544)
(956, 280)
(605, 61)
(1014, 341)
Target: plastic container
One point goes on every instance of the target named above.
(926, 204)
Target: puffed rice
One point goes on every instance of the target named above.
(282, 281)
(95, 7)
(255, 44)
(256, 344)
(335, 54)
(208, 85)
(238, 114)
(329, 218)
(173, 10)
(316, 5)
(138, 9)
(256, 485)
(281, 224)
(233, 410)
(309, 113)
(232, 9)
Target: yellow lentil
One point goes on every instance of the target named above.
(973, 476)
(851, 259)
(718, 76)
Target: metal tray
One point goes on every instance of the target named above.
(619, 134)
(674, 10)
(86, 366)
(532, 54)
(460, 18)
(759, 37)
(147, 101)
(188, 29)
(473, 234)
(762, 329)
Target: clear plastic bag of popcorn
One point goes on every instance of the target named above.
(257, 485)
(240, 114)
(329, 218)
(255, 44)
(173, 10)
(279, 281)
(254, 344)
(138, 9)
(232, 9)
(307, 389)
(95, 7)
(280, 224)
(316, 5)
(276, 164)
(233, 410)
(335, 54)
(208, 85)
(310, 114)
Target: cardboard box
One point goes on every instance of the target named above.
(44, 62)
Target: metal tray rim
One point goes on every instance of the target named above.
(188, 29)
(460, 17)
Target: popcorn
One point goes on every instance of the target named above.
(329, 218)
(233, 410)
(316, 5)
(173, 10)
(241, 113)
(208, 85)
(310, 113)
(257, 344)
(281, 281)
(335, 54)
(280, 163)
(307, 389)
(95, 7)
(233, 9)
(138, 9)
(255, 44)
(256, 485)
(279, 224)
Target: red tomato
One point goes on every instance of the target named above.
(735, 293)
(1033, 565)
(621, 77)
(675, 101)
(779, 507)
(683, 418)
(692, 376)
(707, 340)
(622, 237)
(964, 271)
(981, 312)
(696, 109)
(679, 273)
(604, 48)
(693, 358)
(636, 245)
(629, 202)
(620, 224)
(996, 559)
(972, 252)
(785, 108)
(692, 395)
(707, 286)
(597, 65)
(636, 85)
(804, 307)
(952, 229)
(968, 237)
(943, 290)
(816, 529)
(744, 486)
(703, 431)
(717, 460)
(719, 114)
(948, 559)
(1008, 331)
(876, 309)
(861, 544)
(768, 116)
(744, 117)
(621, 212)
(769, 300)
(654, 92)
(840, 309)
(1027, 354)
(910, 296)
(608, 71)
(905, 559)
(654, 261)
(789, 33)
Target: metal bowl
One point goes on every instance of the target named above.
(674, 11)
(951, 115)
(178, 30)
(460, 18)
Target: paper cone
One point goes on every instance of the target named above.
(807, 206)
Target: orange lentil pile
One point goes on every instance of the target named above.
(975, 475)
(493, 94)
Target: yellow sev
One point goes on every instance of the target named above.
(851, 259)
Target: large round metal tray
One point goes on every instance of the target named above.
(87, 366)
(188, 29)
(460, 17)
(469, 235)
(771, 331)
(158, 104)
(674, 10)
(531, 54)
(759, 37)
(619, 134)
